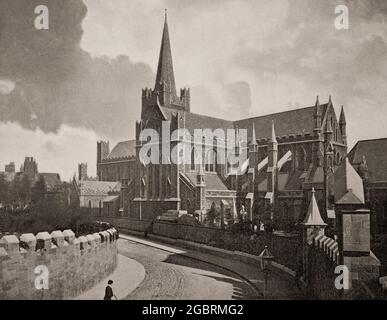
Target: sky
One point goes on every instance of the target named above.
(64, 88)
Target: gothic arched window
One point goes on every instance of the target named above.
(211, 164)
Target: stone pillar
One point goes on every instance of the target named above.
(313, 226)
(355, 247)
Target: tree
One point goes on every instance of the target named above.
(25, 190)
(14, 192)
(39, 191)
(4, 190)
(213, 214)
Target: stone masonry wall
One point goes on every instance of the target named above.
(74, 264)
(323, 257)
(287, 250)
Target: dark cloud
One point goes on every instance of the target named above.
(319, 54)
(59, 83)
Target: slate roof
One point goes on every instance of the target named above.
(98, 188)
(123, 149)
(313, 216)
(110, 199)
(197, 121)
(348, 185)
(297, 121)
(375, 152)
(213, 182)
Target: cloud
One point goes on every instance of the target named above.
(317, 59)
(240, 58)
(57, 82)
(6, 86)
(54, 152)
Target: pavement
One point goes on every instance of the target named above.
(126, 278)
(144, 274)
(280, 285)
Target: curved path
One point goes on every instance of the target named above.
(171, 275)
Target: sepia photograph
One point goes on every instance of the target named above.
(206, 152)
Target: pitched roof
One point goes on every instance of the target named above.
(348, 185)
(197, 121)
(212, 180)
(98, 188)
(123, 149)
(375, 152)
(313, 216)
(110, 199)
(298, 121)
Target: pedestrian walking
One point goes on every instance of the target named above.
(109, 294)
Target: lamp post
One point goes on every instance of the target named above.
(266, 260)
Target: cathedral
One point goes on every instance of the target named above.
(289, 154)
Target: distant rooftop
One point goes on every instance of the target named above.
(375, 153)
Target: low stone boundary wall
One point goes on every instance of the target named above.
(287, 250)
(72, 265)
(185, 232)
(128, 224)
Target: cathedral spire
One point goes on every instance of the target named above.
(165, 79)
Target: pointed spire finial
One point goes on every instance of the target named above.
(317, 101)
(313, 216)
(342, 116)
(328, 127)
(166, 15)
(165, 65)
(253, 136)
(273, 136)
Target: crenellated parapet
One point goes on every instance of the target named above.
(327, 246)
(74, 264)
(46, 242)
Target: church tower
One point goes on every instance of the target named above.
(164, 93)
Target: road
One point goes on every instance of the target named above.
(173, 276)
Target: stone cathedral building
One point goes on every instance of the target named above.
(289, 153)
